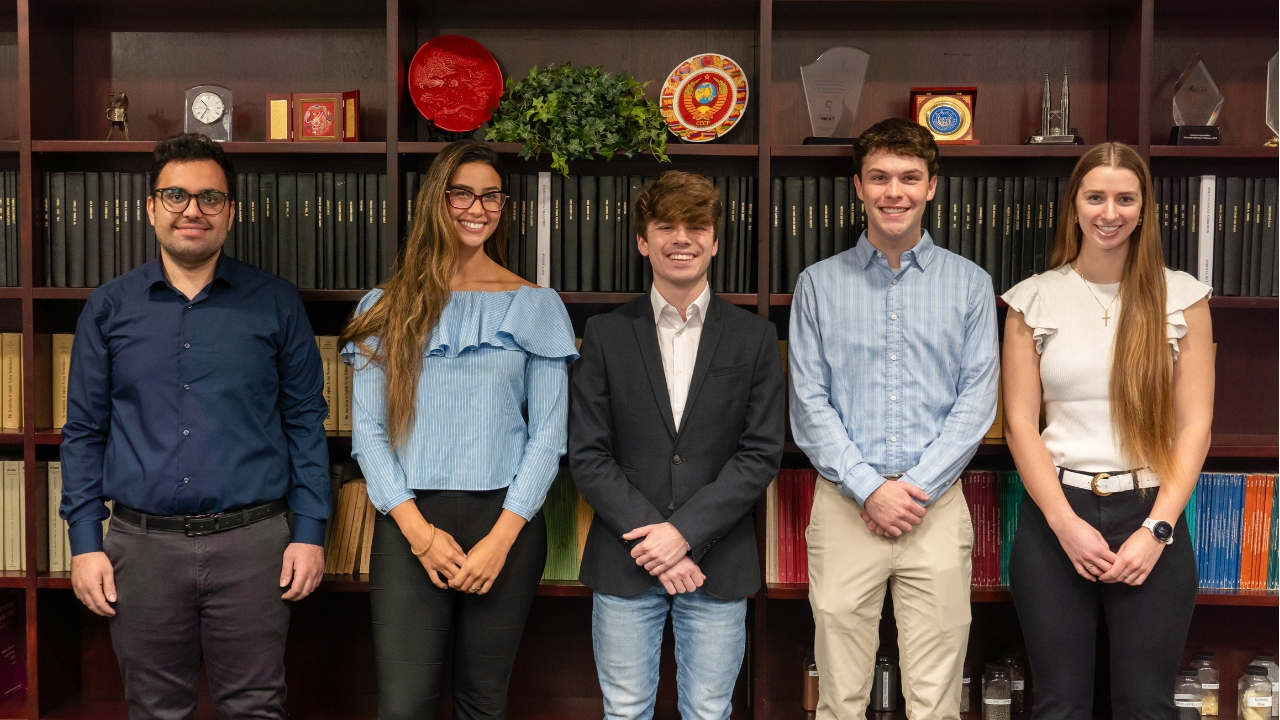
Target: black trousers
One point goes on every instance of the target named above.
(412, 618)
(214, 598)
(1059, 612)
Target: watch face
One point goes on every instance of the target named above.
(1163, 531)
(207, 108)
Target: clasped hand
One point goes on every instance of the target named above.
(894, 508)
(664, 553)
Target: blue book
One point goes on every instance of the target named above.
(1235, 541)
(1189, 514)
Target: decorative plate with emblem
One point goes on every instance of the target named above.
(946, 112)
(704, 97)
(455, 83)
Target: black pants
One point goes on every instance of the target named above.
(412, 618)
(214, 598)
(1059, 612)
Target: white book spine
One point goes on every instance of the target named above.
(12, 541)
(544, 229)
(55, 522)
(1204, 258)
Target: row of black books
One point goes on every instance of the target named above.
(316, 230)
(1222, 230)
(1004, 224)
(9, 228)
(576, 233)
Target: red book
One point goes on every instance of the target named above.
(785, 539)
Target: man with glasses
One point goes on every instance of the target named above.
(195, 404)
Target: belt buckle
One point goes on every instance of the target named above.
(1093, 484)
(190, 532)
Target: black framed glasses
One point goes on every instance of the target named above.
(460, 199)
(176, 200)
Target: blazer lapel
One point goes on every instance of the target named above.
(706, 350)
(647, 337)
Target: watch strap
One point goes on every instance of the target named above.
(1150, 524)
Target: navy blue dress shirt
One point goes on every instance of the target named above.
(186, 407)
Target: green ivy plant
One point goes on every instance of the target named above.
(574, 113)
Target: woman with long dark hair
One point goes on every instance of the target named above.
(451, 356)
(1120, 351)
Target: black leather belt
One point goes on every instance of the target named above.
(196, 525)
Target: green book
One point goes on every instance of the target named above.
(809, 220)
(560, 512)
(588, 225)
(569, 215)
(826, 217)
(605, 256)
(775, 235)
(792, 233)
(270, 208)
(307, 224)
(287, 226)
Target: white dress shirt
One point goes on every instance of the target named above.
(678, 342)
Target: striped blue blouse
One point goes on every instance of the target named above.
(492, 357)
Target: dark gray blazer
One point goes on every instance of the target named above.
(634, 469)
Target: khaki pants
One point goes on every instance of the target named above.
(928, 571)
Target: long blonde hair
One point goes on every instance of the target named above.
(415, 295)
(1142, 366)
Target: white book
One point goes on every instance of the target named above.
(1204, 245)
(544, 229)
(12, 532)
(56, 563)
(771, 570)
(21, 522)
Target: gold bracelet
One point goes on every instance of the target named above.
(423, 551)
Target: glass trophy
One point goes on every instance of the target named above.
(1196, 103)
(832, 89)
(1273, 103)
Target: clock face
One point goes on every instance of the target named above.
(207, 108)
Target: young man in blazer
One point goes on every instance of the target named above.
(676, 429)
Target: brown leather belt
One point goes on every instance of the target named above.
(196, 525)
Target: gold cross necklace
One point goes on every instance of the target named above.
(1106, 309)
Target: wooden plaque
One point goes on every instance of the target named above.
(947, 112)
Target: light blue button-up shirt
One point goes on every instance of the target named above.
(892, 372)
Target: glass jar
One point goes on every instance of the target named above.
(1187, 694)
(1017, 684)
(1268, 661)
(1206, 665)
(1254, 694)
(964, 690)
(996, 697)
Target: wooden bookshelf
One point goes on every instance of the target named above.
(61, 58)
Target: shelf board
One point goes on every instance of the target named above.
(1245, 152)
(1256, 445)
(235, 148)
(10, 146)
(56, 293)
(673, 149)
(618, 298)
(11, 436)
(800, 591)
(48, 436)
(13, 579)
(946, 151)
(11, 293)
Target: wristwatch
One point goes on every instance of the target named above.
(1162, 530)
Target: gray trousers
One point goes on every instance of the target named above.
(214, 598)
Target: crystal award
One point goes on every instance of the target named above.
(1196, 103)
(1273, 103)
(832, 88)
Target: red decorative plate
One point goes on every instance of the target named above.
(455, 83)
(704, 97)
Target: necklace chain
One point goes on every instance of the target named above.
(1106, 309)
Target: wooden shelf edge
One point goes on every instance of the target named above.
(1243, 152)
(618, 298)
(946, 151)
(9, 146)
(675, 150)
(1247, 303)
(1249, 598)
(235, 148)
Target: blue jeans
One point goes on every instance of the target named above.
(711, 638)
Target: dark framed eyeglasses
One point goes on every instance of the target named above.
(176, 200)
(460, 199)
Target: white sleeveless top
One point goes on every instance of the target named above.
(1075, 347)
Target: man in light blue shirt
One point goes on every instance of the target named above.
(893, 359)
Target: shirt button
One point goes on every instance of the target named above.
(189, 307)
(186, 345)
(879, 254)
(893, 316)
(679, 371)
(186, 480)
(893, 282)
(186, 387)
(893, 438)
(893, 357)
(676, 459)
(671, 506)
(186, 432)
(893, 398)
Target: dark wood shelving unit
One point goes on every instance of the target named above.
(1122, 57)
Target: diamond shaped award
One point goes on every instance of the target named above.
(1273, 105)
(1196, 103)
(832, 88)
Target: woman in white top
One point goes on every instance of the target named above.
(1120, 351)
